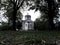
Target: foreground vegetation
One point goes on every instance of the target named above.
(22, 37)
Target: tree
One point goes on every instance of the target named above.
(16, 5)
(13, 7)
(48, 7)
(51, 12)
(0, 3)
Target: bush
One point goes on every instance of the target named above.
(41, 25)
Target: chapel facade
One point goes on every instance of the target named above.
(27, 24)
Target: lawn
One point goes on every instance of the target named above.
(18, 37)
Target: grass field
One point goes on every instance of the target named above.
(16, 37)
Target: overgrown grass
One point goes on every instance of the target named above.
(17, 37)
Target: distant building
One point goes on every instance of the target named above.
(27, 24)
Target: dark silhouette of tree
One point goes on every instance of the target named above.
(48, 7)
(0, 4)
(12, 8)
(16, 5)
(51, 12)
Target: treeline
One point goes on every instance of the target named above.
(5, 26)
(44, 25)
(49, 9)
(38, 25)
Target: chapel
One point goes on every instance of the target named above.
(27, 24)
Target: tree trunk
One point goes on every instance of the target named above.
(14, 17)
(0, 4)
(51, 11)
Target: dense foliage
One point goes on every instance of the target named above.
(48, 8)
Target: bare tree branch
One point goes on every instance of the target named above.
(21, 3)
(18, 2)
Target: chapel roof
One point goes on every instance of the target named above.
(27, 16)
(27, 21)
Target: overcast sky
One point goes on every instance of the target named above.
(25, 11)
(32, 13)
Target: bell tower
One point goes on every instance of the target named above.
(27, 17)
